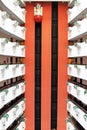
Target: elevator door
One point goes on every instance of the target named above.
(37, 76)
(54, 77)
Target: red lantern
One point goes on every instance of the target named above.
(38, 12)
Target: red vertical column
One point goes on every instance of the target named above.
(30, 65)
(62, 61)
(46, 68)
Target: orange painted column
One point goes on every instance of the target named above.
(62, 62)
(30, 66)
(46, 68)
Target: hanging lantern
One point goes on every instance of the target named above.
(38, 12)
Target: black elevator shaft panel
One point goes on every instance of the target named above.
(37, 76)
(54, 69)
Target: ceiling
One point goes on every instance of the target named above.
(46, 0)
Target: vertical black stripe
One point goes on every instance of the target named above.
(54, 81)
(37, 76)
